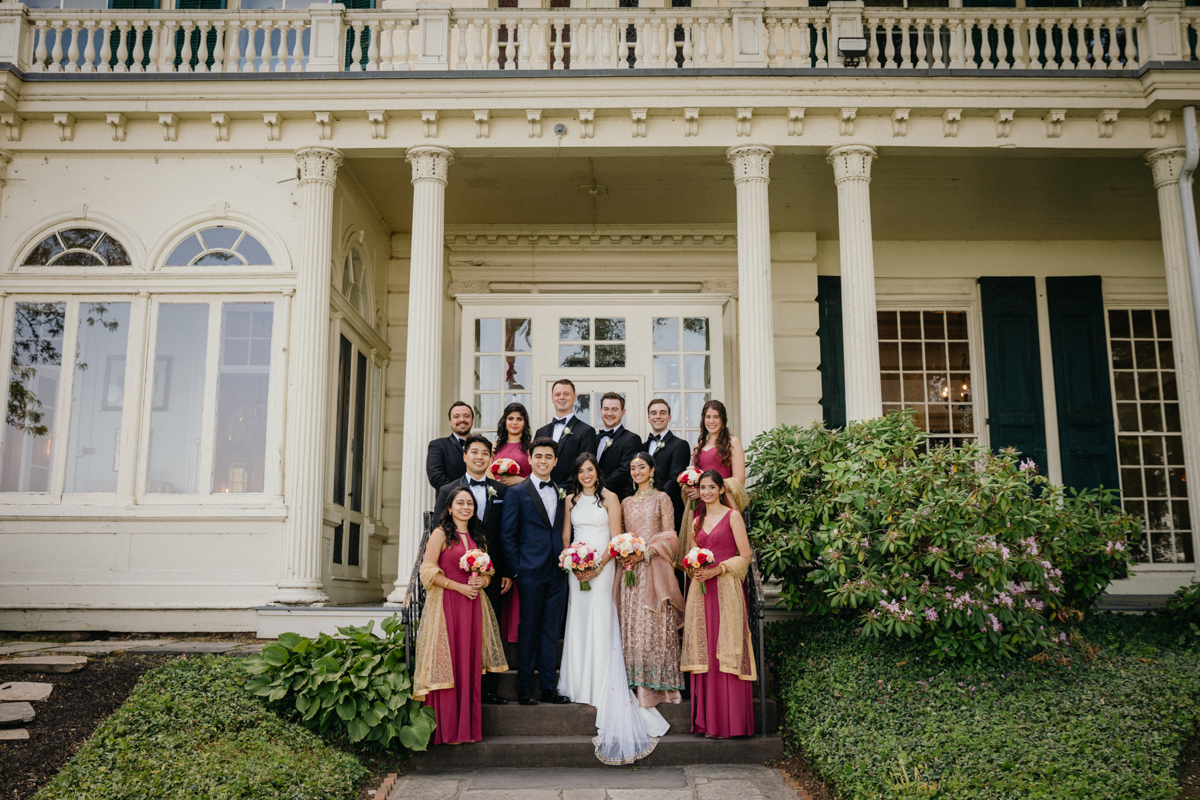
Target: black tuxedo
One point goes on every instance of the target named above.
(614, 463)
(581, 439)
(492, 514)
(532, 542)
(444, 462)
(673, 457)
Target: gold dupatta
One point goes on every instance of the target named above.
(735, 497)
(734, 653)
(434, 667)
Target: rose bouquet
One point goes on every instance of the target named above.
(579, 557)
(699, 558)
(624, 546)
(505, 467)
(476, 561)
(689, 477)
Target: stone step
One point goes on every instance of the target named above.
(44, 664)
(578, 752)
(13, 734)
(29, 692)
(580, 720)
(14, 714)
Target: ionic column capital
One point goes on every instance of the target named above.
(430, 162)
(851, 161)
(318, 164)
(1166, 165)
(751, 162)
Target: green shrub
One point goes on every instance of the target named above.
(879, 719)
(1184, 605)
(356, 683)
(189, 729)
(964, 549)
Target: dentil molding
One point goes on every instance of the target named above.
(318, 164)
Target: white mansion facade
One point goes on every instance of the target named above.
(251, 252)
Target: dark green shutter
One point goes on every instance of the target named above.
(210, 41)
(357, 5)
(1078, 339)
(114, 41)
(1016, 414)
(829, 331)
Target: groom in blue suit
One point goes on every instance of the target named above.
(531, 535)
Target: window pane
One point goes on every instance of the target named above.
(516, 336)
(254, 253)
(666, 372)
(673, 400)
(32, 396)
(694, 407)
(519, 372)
(574, 355)
(574, 329)
(487, 336)
(583, 407)
(611, 329)
(487, 411)
(184, 252)
(373, 432)
(610, 355)
(489, 372)
(220, 237)
(666, 334)
(696, 372)
(695, 334)
(356, 443)
(240, 448)
(97, 397)
(46, 250)
(342, 420)
(177, 399)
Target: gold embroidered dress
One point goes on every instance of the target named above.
(651, 611)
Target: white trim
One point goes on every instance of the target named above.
(1049, 390)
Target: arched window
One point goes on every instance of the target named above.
(356, 285)
(78, 247)
(218, 246)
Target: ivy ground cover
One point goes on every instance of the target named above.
(879, 719)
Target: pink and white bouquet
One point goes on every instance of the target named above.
(476, 561)
(505, 467)
(624, 546)
(689, 477)
(579, 557)
(699, 558)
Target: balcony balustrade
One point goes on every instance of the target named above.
(327, 38)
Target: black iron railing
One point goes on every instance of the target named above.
(756, 602)
(414, 599)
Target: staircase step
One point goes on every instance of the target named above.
(577, 752)
(580, 720)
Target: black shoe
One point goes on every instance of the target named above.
(553, 696)
(493, 699)
(527, 699)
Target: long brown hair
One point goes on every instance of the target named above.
(724, 442)
(474, 526)
(722, 498)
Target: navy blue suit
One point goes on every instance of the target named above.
(532, 542)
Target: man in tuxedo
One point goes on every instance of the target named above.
(531, 534)
(671, 454)
(489, 505)
(444, 462)
(615, 446)
(573, 435)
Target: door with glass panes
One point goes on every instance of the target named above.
(643, 346)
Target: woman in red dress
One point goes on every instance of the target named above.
(720, 660)
(458, 607)
(513, 436)
(717, 449)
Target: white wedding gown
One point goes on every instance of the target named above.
(593, 663)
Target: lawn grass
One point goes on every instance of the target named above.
(868, 713)
(191, 730)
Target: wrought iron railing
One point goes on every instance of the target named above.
(756, 602)
(414, 598)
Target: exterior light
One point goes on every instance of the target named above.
(852, 49)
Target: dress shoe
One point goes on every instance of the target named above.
(527, 699)
(553, 696)
(493, 699)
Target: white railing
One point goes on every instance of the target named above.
(329, 39)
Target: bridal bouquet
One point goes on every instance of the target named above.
(624, 546)
(505, 467)
(476, 561)
(689, 477)
(579, 557)
(699, 558)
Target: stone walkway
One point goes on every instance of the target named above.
(139, 646)
(713, 782)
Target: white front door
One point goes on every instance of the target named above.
(644, 346)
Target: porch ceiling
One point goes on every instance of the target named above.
(985, 195)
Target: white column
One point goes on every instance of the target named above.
(756, 333)
(1166, 165)
(860, 327)
(308, 382)
(423, 354)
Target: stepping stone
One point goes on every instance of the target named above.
(13, 714)
(106, 647)
(25, 647)
(44, 664)
(29, 692)
(188, 647)
(13, 734)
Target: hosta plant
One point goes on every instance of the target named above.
(967, 550)
(354, 683)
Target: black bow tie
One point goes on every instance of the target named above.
(657, 437)
(544, 484)
(560, 420)
(602, 434)
(461, 442)
(473, 482)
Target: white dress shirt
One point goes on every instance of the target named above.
(557, 432)
(606, 441)
(656, 444)
(549, 495)
(480, 495)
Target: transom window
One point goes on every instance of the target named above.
(591, 342)
(925, 365)
(683, 370)
(356, 286)
(219, 246)
(1149, 438)
(78, 247)
(503, 367)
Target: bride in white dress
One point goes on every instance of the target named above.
(593, 663)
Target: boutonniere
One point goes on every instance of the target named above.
(491, 492)
(562, 494)
(566, 432)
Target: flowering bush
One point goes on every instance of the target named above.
(967, 550)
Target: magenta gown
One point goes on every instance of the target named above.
(511, 614)
(722, 704)
(711, 459)
(458, 709)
